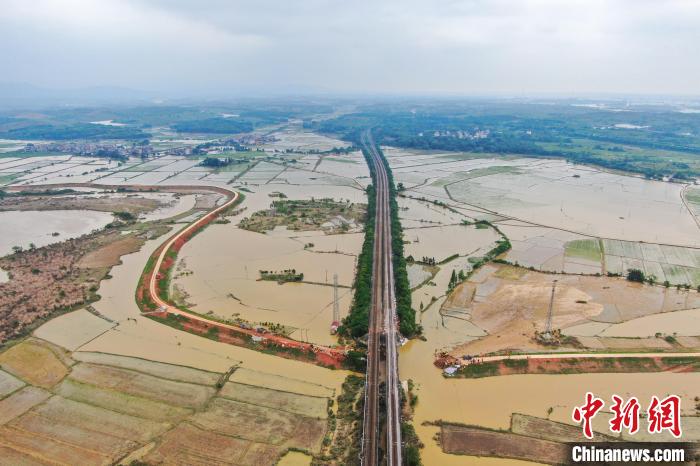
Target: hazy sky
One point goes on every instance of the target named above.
(397, 46)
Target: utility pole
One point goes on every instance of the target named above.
(548, 331)
(336, 306)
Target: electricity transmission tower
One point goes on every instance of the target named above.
(336, 305)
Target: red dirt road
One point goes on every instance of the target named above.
(233, 333)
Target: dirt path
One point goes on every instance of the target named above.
(687, 206)
(588, 356)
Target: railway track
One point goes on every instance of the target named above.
(381, 440)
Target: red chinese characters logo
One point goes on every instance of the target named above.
(587, 412)
(661, 415)
(625, 416)
(665, 415)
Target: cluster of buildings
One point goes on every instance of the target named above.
(477, 134)
(220, 147)
(116, 150)
(256, 139)
(182, 151)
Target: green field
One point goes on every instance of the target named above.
(7, 179)
(638, 159)
(588, 249)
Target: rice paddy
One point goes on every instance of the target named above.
(108, 407)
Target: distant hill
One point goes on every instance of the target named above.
(23, 95)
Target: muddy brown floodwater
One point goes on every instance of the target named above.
(141, 337)
(225, 280)
(20, 228)
(490, 401)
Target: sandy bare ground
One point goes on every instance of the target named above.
(133, 205)
(510, 304)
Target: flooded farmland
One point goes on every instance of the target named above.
(551, 212)
(226, 280)
(138, 336)
(570, 236)
(588, 201)
(490, 401)
(22, 228)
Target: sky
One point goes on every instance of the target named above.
(467, 47)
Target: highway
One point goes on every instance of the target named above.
(381, 439)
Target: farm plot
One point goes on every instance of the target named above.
(35, 363)
(295, 458)
(680, 323)
(344, 166)
(347, 243)
(120, 401)
(142, 385)
(97, 414)
(148, 178)
(88, 426)
(157, 369)
(589, 202)
(152, 165)
(294, 138)
(417, 274)
(262, 173)
(294, 176)
(677, 265)
(20, 402)
(547, 249)
(417, 213)
(188, 444)
(545, 429)
(445, 241)
(48, 450)
(478, 442)
(9, 383)
(309, 406)
(278, 382)
(261, 424)
(692, 196)
(73, 330)
(257, 417)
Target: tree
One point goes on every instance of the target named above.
(667, 283)
(635, 275)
